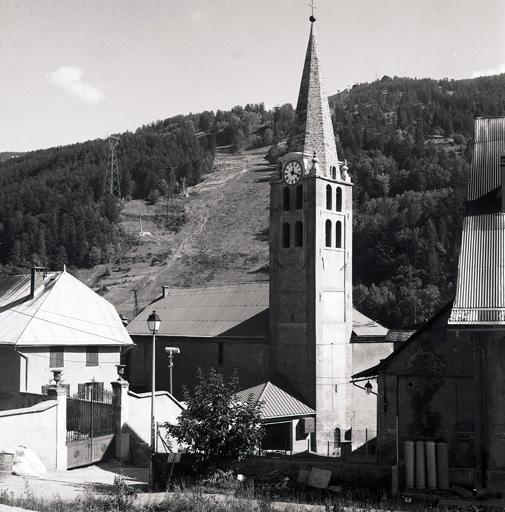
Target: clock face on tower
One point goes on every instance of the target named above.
(292, 172)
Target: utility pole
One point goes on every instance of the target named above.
(135, 302)
(112, 181)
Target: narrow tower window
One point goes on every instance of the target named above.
(338, 234)
(339, 199)
(328, 197)
(299, 197)
(328, 233)
(285, 198)
(333, 172)
(286, 235)
(298, 234)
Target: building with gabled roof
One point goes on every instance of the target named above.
(444, 383)
(52, 321)
(286, 419)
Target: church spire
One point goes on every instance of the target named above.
(313, 130)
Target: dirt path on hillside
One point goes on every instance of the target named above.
(224, 240)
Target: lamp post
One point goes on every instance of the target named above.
(170, 351)
(153, 323)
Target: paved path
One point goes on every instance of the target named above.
(71, 484)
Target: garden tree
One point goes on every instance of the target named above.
(215, 423)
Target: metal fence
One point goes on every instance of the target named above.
(91, 415)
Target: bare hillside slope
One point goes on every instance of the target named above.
(224, 239)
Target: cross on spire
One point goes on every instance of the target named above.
(312, 7)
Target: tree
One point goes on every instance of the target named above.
(215, 423)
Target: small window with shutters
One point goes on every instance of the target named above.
(328, 233)
(91, 356)
(56, 359)
(286, 235)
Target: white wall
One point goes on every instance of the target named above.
(33, 427)
(35, 372)
(166, 409)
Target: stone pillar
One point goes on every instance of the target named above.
(60, 395)
(120, 389)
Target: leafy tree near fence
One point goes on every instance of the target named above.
(215, 423)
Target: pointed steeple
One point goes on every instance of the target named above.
(313, 130)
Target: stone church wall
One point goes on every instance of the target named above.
(248, 356)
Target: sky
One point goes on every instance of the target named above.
(73, 70)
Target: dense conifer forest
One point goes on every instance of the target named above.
(408, 143)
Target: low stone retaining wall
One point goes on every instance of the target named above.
(357, 474)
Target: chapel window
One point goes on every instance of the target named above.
(299, 197)
(339, 199)
(285, 198)
(338, 234)
(328, 197)
(298, 234)
(286, 235)
(328, 233)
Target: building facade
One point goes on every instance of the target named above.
(446, 382)
(53, 322)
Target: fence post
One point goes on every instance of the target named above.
(59, 394)
(120, 389)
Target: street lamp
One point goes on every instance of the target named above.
(153, 323)
(170, 351)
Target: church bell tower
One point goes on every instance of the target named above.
(311, 262)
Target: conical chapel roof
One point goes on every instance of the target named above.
(313, 129)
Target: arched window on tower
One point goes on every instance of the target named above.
(298, 234)
(285, 198)
(337, 438)
(333, 172)
(338, 235)
(328, 197)
(286, 235)
(339, 199)
(328, 233)
(299, 197)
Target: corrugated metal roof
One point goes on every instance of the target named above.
(277, 403)
(480, 292)
(63, 311)
(238, 310)
(364, 326)
(489, 147)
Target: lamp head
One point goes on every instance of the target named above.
(153, 322)
(172, 350)
(368, 387)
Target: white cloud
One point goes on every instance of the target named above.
(69, 78)
(498, 70)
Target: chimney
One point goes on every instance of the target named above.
(502, 167)
(164, 292)
(37, 279)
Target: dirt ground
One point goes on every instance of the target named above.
(71, 484)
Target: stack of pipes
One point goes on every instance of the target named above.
(426, 465)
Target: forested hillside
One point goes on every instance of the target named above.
(408, 143)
